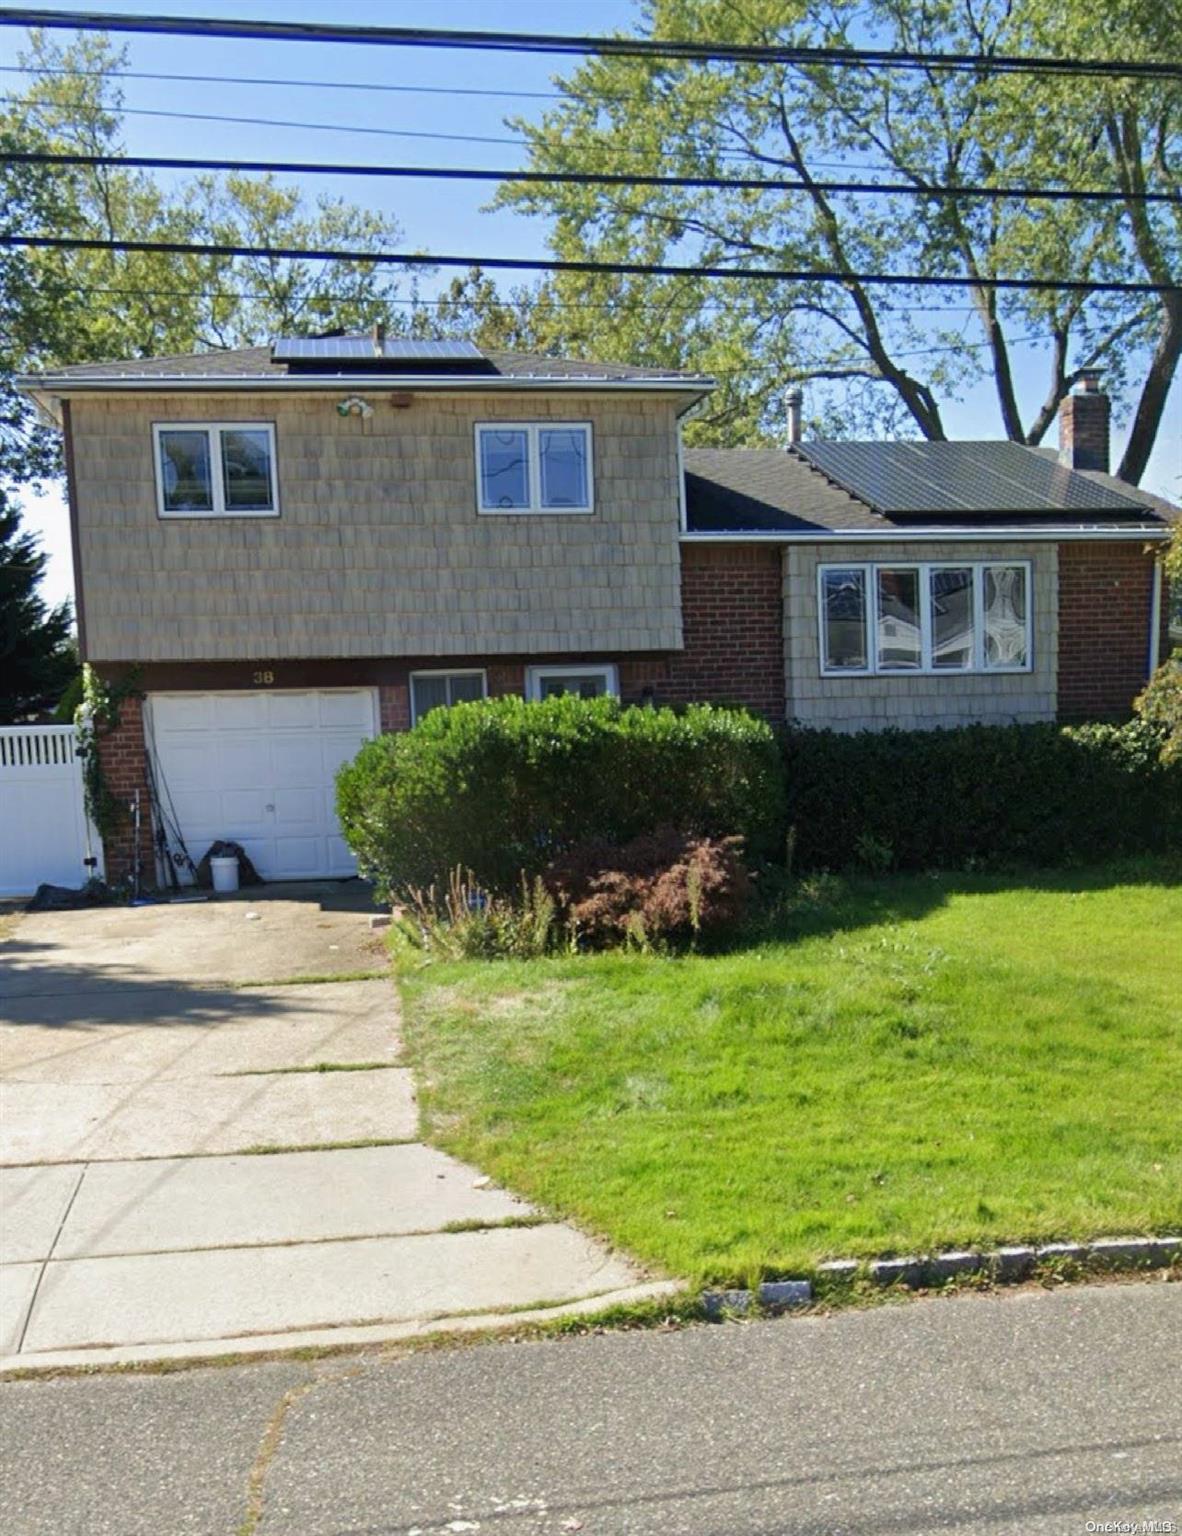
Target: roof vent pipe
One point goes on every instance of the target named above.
(795, 401)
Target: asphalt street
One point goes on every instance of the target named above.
(1033, 1411)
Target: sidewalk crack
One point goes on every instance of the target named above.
(20, 1343)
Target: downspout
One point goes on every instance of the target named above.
(1155, 619)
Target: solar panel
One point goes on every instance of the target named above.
(930, 478)
(372, 349)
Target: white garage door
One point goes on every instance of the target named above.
(259, 769)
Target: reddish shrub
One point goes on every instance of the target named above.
(667, 887)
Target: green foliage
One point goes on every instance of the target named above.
(503, 786)
(880, 360)
(96, 717)
(1160, 705)
(36, 651)
(981, 796)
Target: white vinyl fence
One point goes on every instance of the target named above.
(43, 825)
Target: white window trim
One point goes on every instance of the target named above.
(446, 672)
(870, 570)
(534, 466)
(534, 676)
(214, 430)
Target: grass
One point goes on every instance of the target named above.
(900, 1064)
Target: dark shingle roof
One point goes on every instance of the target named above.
(770, 490)
(257, 363)
(732, 490)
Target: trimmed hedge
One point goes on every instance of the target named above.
(989, 796)
(502, 787)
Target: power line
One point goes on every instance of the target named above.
(592, 178)
(619, 269)
(662, 50)
(317, 85)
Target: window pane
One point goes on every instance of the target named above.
(563, 454)
(429, 693)
(246, 470)
(504, 469)
(184, 472)
(952, 618)
(900, 648)
(464, 686)
(585, 685)
(1004, 600)
(843, 598)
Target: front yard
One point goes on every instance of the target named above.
(908, 1063)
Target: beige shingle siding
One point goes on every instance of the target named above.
(916, 702)
(379, 549)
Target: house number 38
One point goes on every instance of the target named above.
(264, 677)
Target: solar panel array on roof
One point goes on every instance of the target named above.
(373, 350)
(926, 479)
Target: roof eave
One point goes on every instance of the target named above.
(1065, 533)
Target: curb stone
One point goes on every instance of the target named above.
(1013, 1262)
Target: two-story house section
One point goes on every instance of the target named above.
(297, 546)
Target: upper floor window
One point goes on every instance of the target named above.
(534, 467)
(215, 469)
(966, 616)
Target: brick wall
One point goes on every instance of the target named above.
(1105, 592)
(121, 753)
(733, 633)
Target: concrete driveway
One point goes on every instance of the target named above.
(203, 1150)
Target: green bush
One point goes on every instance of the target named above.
(503, 787)
(1160, 703)
(987, 796)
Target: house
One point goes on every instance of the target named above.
(298, 546)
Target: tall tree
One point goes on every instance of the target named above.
(882, 359)
(37, 659)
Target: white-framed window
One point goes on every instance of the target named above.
(215, 468)
(587, 679)
(534, 466)
(440, 690)
(930, 617)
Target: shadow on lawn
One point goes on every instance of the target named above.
(818, 905)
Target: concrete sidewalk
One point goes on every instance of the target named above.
(133, 1225)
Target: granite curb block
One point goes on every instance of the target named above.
(1011, 1263)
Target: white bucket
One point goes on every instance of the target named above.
(225, 873)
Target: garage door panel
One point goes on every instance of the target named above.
(192, 712)
(294, 711)
(347, 711)
(260, 768)
(298, 760)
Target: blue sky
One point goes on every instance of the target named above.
(445, 217)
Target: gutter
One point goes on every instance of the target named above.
(933, 535)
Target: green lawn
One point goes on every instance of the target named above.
(910, 1062)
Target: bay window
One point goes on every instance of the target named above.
(878, 619)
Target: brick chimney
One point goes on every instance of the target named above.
(1083, 425)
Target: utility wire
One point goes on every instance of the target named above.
(661, 50)
(620, 269)
(594, 178)
(317, 85)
